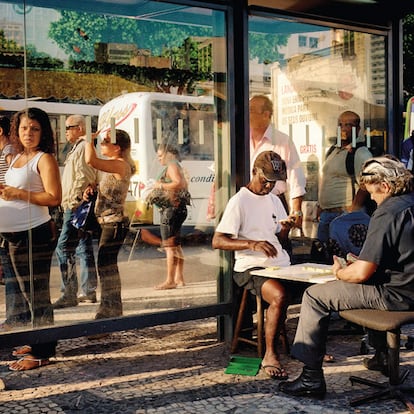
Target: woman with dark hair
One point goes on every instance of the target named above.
(118, 167)
(32, 184)
(172, 180)
(6, 149)
(6, 155)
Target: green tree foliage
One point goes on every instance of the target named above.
(76, 33)
(265, 47)
(12, 55)
(184, 56)
(7, 45)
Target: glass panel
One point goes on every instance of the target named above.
(312, 74)
(158, 72)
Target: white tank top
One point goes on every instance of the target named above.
(18, 215)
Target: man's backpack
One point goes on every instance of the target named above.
(350, 157)
(370, 205)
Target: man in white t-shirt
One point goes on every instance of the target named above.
(252, 223)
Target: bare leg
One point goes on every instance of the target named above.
(274, 294)
(179, 269)
(171, 268)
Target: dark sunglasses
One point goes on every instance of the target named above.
(68, 127)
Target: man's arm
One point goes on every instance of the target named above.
(297, 210)
(226, 242)
(358, 272)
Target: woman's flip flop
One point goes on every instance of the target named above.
(28, 362)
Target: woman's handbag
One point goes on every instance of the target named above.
(184, 197)
(164, 199)
(160, 198)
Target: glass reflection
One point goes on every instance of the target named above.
(164, 73)
(312, 74)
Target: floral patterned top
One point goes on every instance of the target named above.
(111, 197)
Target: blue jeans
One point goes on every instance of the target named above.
(69, 243)
(324, 222)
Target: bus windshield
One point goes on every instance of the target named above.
(185, 124)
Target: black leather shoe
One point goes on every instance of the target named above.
(379, 362)
(311, 383)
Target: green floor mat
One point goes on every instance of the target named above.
(243, 366)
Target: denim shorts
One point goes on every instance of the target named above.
(171, 221)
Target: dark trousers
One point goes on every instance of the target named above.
(31, 256)
(110, 242)
(33, 283)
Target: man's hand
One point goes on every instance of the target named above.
(88, 193)
(263, 246)
(338, 264)
(288, 223)
(297, 220)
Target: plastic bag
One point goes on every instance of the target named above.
(84, 216)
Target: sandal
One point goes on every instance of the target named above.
(28, 362)
(278, 374)
(21, 351)
(329, 358)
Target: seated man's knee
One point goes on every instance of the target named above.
(274, 293)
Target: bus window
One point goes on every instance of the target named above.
(188, 126)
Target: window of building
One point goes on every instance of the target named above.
(310, 86)
(302, 41)
(313, 42)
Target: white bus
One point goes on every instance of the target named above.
(152, 118)
(58, 112)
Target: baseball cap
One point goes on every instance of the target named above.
(271, 165)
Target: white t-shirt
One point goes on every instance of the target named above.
(254, 217)
(19, 215)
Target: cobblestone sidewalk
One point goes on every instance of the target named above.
(172, 369)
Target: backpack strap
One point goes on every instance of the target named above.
(350, 157)
(329, 152)
(411, 158)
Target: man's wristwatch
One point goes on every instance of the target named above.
(297, 213)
